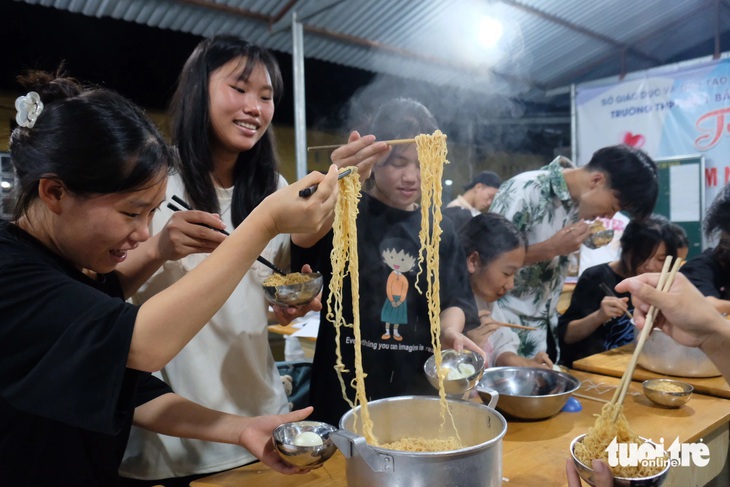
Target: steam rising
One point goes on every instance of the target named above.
(472, 86)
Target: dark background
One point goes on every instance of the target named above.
(143, 62)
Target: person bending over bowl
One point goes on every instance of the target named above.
(495, 250)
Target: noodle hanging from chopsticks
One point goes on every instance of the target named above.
(431, 156)
(345, 262)
(612, 423)
(432, 152)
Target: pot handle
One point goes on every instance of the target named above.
(351, 444)
(488, 395)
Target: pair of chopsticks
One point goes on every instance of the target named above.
(510, 325)
(665, 283)
(182, 203)
(336, 146)
(609, 292)
(309, 191)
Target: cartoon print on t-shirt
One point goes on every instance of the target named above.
(395, 308)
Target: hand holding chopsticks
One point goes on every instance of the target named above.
(309, 191)
(610, 293)
(665, 283)
(186, 206)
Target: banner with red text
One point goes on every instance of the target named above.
(667, 112)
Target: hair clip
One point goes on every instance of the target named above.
(29, 107)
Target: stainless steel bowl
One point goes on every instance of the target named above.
(599, 239)
(586, 472)
(284, 437)
(295, 294)
(453, 359)
(528, 392)
(667, 398)
(664, 356)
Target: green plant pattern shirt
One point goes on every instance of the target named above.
(538, 203)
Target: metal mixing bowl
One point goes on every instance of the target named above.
(586, 472)
(452, 359)
(528, 392)
(664, 356)
(295, 294)
(667, 398)
(304, 456)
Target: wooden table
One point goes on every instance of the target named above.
(534, 453)
(565, 296)
(614, 363)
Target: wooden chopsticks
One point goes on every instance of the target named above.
(510, 325)
(336, 146)
(665, 283)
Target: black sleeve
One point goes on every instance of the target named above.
(63, 347)
(701, 271)
(149, 387)
(316, 256)
(586, 298)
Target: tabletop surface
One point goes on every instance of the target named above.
(614, 362)
(534, 453)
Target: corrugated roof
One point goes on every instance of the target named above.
(546, 44)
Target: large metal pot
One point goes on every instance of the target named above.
(663, 355)
(479, 463)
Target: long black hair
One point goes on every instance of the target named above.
(490, 235)
(399, 118)
(93, 140)
(256, 173)
(717, 225)
(641, 239)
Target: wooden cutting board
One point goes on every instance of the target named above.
(614, 363)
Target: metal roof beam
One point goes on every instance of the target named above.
(579, 29)
(240, 12)
(586, 68)
(282, 20)
(269, 19)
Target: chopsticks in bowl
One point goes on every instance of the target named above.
(186, 206)
(336, 146)
(665, 283)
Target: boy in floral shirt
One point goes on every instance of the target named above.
(550, 206)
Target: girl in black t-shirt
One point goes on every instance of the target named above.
(75, 357)
(394, 321)
(594, 321)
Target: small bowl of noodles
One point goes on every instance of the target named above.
(653, 474)
(600, 236)
(667, 392)
(294, 289)
(461, 371)
(304, 443)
